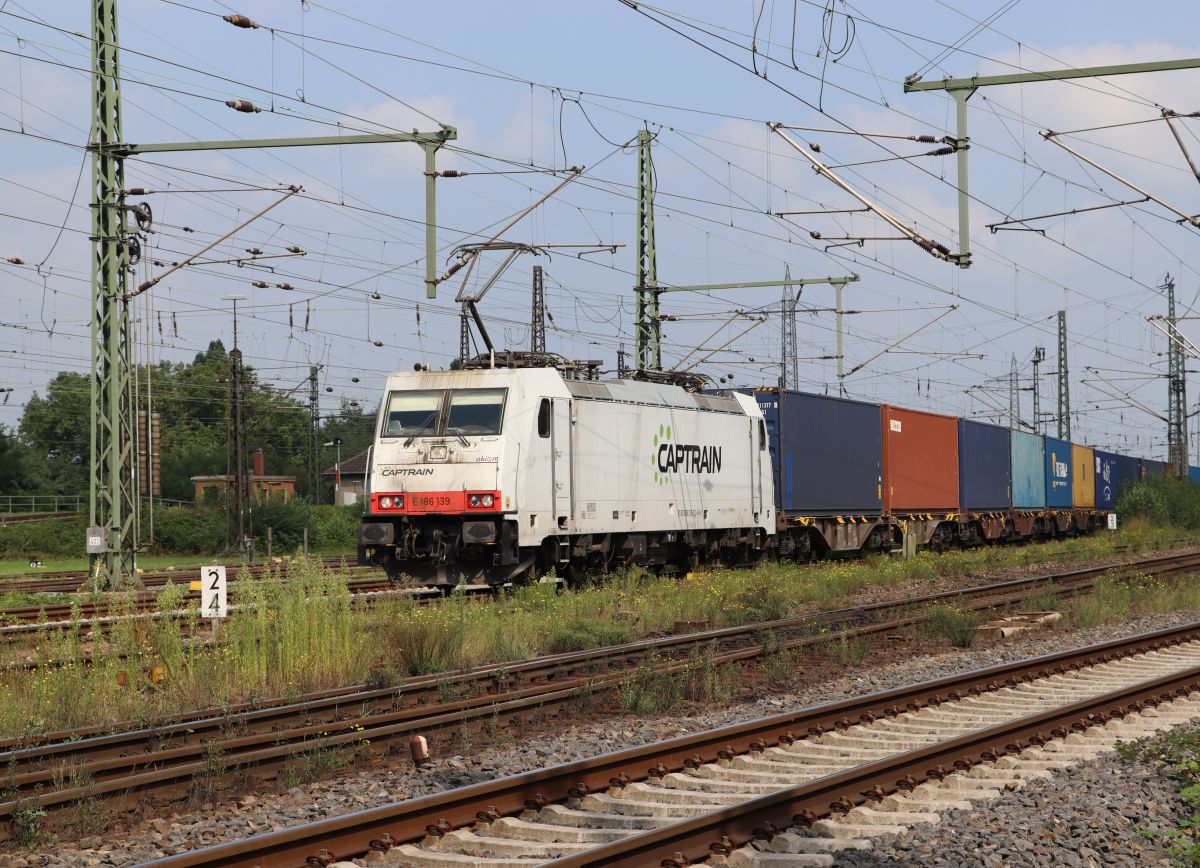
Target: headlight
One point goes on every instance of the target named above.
(385, 502)
(399, 502)
(487, 500)
(473, 500)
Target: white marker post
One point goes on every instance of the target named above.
(1112, 521)
(213, 601)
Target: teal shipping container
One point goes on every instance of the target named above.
(1028, 471)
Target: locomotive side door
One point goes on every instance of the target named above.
(561, 446)
(758, 442)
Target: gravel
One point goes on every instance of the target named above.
(1104, 812)
(395, 779)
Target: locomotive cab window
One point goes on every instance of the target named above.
(475, 411)
(412, 414)
(544, 418)
(762, 434)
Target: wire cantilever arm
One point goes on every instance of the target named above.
(1009, 222)
(1052, 137)
(895, 344)
(292, 191)
(941, 251)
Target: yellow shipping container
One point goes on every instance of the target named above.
(1083, 476)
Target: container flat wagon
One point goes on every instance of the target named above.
(937, 479)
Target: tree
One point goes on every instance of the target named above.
(18, 468)
(192, 403)
(57, 430)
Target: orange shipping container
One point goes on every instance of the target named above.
(1083, 476)
(920, 461)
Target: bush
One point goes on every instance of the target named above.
(189, 530)
(1162, 501)
(44, 539)
(201, 530)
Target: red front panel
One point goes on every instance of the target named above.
(425, 502)
(436, 501)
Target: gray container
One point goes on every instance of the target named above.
(827, 453)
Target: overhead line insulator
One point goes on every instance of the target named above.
(243, 21)
(242, 105)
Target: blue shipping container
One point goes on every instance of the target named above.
(1029, 471)
(1106, 479)
(984, 466)
(1194, 475)
(827, 453)
(1129, 471)
(1058, 473)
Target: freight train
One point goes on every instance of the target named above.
(502, 474)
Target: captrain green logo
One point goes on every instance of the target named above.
(669, 457)
(661, 441)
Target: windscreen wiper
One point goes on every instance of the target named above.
(420, 429)
(457, 432)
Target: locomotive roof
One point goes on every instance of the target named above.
(663, 395)
(626, 391)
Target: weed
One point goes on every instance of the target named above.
(453, 690)
(381, 677)
(845, 649)
(1176, 754)
(316, 763)
(958, 626)
(207, 784)
(26, 821)
(581, 635)
(1044, 598)
(463, 739)
(645, 691)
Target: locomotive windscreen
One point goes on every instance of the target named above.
(427, 413)
(475, 411)
(412, 414)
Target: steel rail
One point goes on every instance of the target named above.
(357, 833)
(802, 804)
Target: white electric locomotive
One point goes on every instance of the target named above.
(494, 475)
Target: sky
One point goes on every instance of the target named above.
(535, 87)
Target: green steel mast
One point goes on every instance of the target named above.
(1177, 445)
(1064, 382)
(647, 351)
(113, 511)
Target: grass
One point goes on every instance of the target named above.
(291, 637)
(1117, 597)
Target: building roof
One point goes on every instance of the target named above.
(355, 466)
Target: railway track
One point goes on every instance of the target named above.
(832, 774)
(165, 759)
(75, 581)
(20, 621)
(90, 611)
(25, 517)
